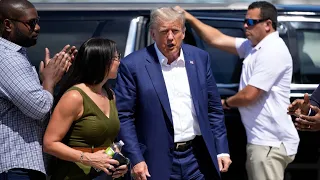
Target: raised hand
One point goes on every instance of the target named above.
(52, 72)
(300, 106)
(180, 9)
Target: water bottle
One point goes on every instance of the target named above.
(113, 148)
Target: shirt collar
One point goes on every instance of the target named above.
(12, 46)
(269, 38)
(163, 60)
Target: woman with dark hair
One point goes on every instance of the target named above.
(85, 120)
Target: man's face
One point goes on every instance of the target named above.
(26, 29)
(168, 37)
(256, 31)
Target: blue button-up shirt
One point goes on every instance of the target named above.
(24, 110)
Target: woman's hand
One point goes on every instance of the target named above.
(100, 160)
(120, 171)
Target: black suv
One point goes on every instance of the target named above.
(127, 24)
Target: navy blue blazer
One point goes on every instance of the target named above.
(144, 110)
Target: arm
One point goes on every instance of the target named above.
(68, 109)
(125, 91)
(19, 84)
(267, 71)
(215, 113)
(245, 97)
(216, 119)
(212, 35)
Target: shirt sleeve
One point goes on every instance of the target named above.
(243, 46)
(19, 83)
(268, 68)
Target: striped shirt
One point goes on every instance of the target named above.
(24, 110)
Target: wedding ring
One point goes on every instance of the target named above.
(110, 167)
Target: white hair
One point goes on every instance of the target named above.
(166, 14)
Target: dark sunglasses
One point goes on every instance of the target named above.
(252, 22)
(30, 24)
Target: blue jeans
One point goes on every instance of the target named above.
(22, 174)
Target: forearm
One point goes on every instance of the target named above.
(209, 34)
(66, 153)
(240, 99)
(213, 36)
(62, 151)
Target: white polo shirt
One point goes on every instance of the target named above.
(268, 66)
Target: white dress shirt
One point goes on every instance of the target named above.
(185, 122)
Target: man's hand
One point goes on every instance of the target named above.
(300, 106)
(180, 9)
(140, 171)
(70, 53)
(52, 73)
(309, 123)
(224, 163)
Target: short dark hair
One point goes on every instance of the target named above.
(12, 9)
(267, 11)
(90, 65)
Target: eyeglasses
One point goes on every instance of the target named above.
(252, 22)
(117, 57)
(30, 24)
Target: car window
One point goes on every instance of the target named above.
(309, 56)
(56, 34)
(226, 67)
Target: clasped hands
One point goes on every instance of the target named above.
(56, 66)
(301, 108)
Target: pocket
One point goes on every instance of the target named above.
(269, 151)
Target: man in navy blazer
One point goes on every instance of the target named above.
(172, 121)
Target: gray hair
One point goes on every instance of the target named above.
(166, 14)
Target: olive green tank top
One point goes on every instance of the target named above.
(93, 129)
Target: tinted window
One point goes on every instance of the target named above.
(309, 56)
(226, 67)
(56, 34)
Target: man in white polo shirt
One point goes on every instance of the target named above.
(264, 90)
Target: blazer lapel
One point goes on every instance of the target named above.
(192, 72)
(155, 73)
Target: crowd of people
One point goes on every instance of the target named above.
(165, 107)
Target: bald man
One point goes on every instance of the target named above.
(25, 103)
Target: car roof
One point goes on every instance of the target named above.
(108, 6)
